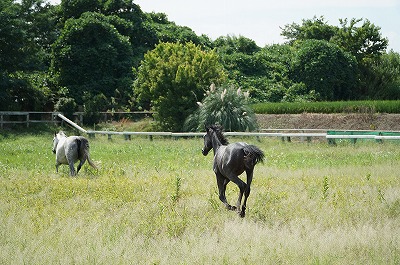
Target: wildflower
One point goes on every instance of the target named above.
(223, 94)
(212, 88)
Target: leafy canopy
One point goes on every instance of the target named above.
(326, 69)
(92, 57)
(172, 77)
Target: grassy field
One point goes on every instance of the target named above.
(156, 202)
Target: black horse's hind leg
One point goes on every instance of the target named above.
(222, 182)
(249, 174)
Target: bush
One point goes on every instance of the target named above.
(226, 106)
(67, 106)
(93, 107)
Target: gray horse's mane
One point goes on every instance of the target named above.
(220, 133)
(61, 133)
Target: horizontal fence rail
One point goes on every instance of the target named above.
(285, 134)
(330, 135)
(28, 117)
(25, 117)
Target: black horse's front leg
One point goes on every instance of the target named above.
(222, 182)
(242, 213)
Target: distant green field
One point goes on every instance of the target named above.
(156, 202)
(383, 106)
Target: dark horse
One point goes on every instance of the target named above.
(231, 160)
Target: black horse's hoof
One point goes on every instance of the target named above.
(242, 213)
(231, 208)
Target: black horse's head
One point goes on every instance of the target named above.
(213, 131)
(207, 143)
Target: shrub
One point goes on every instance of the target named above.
(226, 106)
(67, 106)
(93, 106)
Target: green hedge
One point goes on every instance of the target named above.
(383, 106)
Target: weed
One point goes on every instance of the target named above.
(325, 188)
(177, 192)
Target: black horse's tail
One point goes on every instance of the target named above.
(83, 150)
(253, 154)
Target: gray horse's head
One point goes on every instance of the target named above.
(56, 139)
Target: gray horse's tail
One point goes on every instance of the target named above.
(253, 154)
(83, 150)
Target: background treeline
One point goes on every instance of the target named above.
(99, 55)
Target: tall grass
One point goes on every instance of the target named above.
(156, 202)
(382, 106)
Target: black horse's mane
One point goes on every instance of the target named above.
(220, 133)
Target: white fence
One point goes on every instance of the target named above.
(301, 133)
(284, 134)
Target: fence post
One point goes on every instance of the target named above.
(27, 120)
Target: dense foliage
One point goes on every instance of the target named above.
(90, 53)
(227, 106)
(172, 78)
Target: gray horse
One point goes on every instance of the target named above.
(231, 160)
(68, 150)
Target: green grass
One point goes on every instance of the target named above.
(372, 106)
(156, 202)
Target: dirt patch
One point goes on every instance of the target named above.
(352, 121)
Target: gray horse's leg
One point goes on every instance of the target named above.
(72, 169)
(80, 165)
(222, 182)
(71, 166)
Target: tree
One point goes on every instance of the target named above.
(315, 28)
(12, 37)
(362, 42)
(24, 54)
(92, 57)
(172, 77)
(167, 31)
(233, 44)
(124, 15)
(227, 106)
(383, 77)
(326, 69)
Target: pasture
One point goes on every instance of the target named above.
(156, 202)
